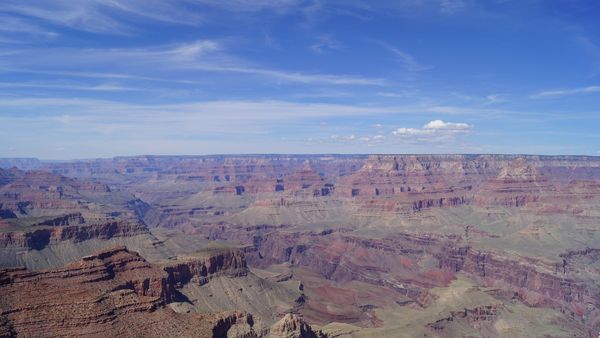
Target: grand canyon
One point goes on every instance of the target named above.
(301, 246)
(300, 168)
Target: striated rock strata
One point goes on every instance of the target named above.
(114, 292)
(37, 239)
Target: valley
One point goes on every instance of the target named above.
(302, 246)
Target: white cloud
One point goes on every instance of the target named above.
(441, 125)
(433, 131)
(411, 132)
(564, 92)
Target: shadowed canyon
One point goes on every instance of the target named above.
(301, 246)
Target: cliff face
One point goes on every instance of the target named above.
(199, 270)
(36, 239)
(85, 297)
(113, 292)
(518, 183)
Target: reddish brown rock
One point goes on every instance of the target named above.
(517, 184)
(201, 268)
(40, 238)
(111, 293)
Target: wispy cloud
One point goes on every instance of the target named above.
(451, 6)
(325, 43)
(565, 92)
(201, 55)
(408, 61)
(291, 76)
(253, 6)
(236, 126)
(493, 99)
(398, 94)
(592, 48)
(102, 87)
(83, 15)
(99, 16)
(355, 140)
(13, 25)
(94, 75)
(225, 112)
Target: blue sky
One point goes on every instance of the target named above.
(97, 78)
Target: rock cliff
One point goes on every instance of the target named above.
(291, 326)
(113, 292)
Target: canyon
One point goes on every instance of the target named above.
(301, 246)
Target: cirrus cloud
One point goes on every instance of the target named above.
(565, 92)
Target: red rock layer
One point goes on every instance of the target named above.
(39, 238)
(112, 293)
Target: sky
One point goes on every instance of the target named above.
(103, 78)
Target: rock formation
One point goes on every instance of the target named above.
(291, 326)
(461, 244)
(39, 237)
(113, 292)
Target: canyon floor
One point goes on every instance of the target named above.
(301, 246)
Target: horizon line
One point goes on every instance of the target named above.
(295, 154)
